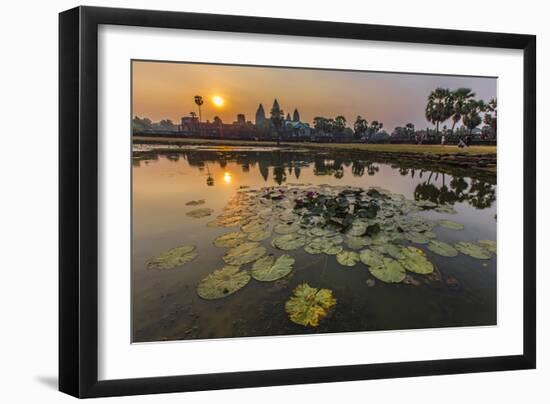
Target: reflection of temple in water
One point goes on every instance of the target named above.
(453, 186)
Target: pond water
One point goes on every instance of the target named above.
(165, 304)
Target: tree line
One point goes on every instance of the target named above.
(444, 104)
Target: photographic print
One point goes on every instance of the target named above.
(271, 201)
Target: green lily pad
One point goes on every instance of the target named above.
(332, 249)
(259, 235)
(200, 213)
(388, 270)
(283, 228)
(417, 238)
(222, 282)
(473, 250)
(347, 258)
(336, 239)
(489, 245)
(414, 260)
(244, 253)
(357, 229)
(370, 257)
(232, 239)
(449, 224)
(356, 243)
(318, 232)
(315, 246)
(254, 227)
(267, 269)
(309, 305)
(442, 248)
(390, 249)
(288, 216)
(289, 242)
(174, 257)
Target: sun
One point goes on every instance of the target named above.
(218, 101)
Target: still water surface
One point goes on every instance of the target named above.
(165, 305)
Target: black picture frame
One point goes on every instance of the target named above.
(78, 201)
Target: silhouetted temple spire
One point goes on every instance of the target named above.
(275, 106)
(296, 115)
(288, 117)
(260, 115)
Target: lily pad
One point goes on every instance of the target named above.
(288, 216)
(244, 253)
(388, 270)
(174, 257)
(289, 242)
(267, 269)
(348, 258)
(357, 229)
(489, 245)
(332, 249)
(473, 250)
(315, 246)
(222, 282)
(390, 249)
(449, 224)
(283, 228)
(356, 243)
(336, 239)
(254, 227)
(414, 260)
(200, 213)
(442, 248)
(232, 239)
(309, 305)
(195, 203)
(318, 232)
(417, 238)
(259, 235)
(370, 257)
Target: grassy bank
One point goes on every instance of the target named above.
(374, 148)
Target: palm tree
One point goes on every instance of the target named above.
(471, 116)
(199, 101)
(360, 127)
(339, 123)
(458, 99)
(490, 117)
(374, 128)
(438, 108)
(409, 130)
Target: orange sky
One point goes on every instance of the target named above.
(165, 90)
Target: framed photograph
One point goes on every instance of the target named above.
(250, 201)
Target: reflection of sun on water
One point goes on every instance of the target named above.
(227, 178)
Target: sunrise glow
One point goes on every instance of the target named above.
(218, 101)
(227, 178)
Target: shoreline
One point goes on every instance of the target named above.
(369, 147)
(479, 158)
